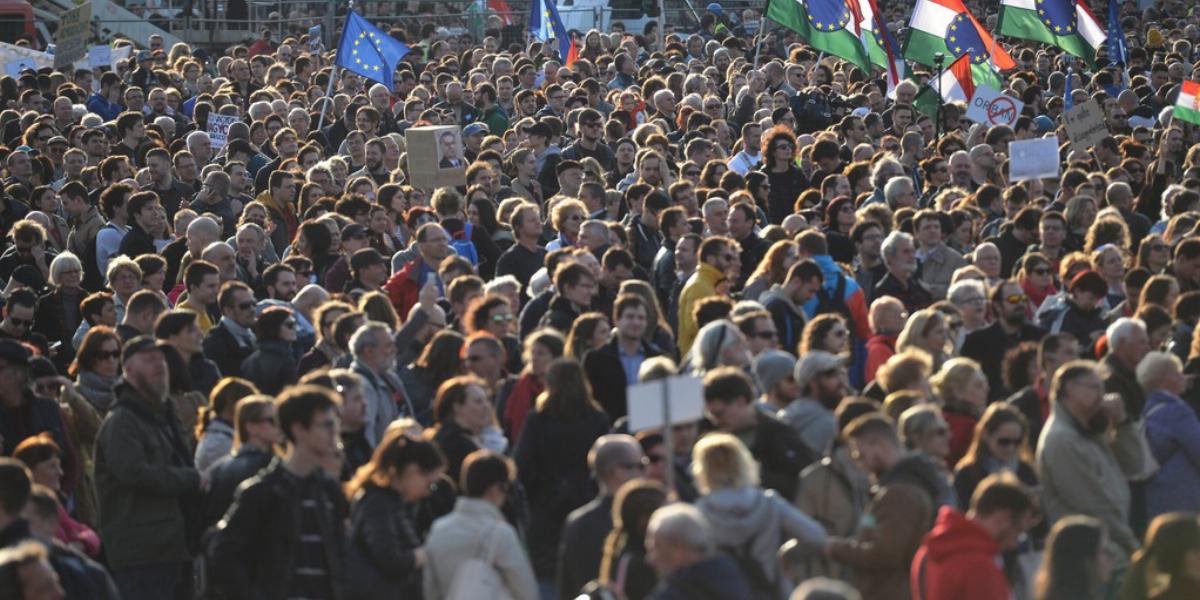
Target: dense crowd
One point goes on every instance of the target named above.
(266, 365)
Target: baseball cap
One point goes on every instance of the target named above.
(1043, 124)
(476, 129)
(1088, 281)
(366, 257)
(812, 364)
(773, 366)
(353, 230)
(144, 55)
(715, 7)
(141, 343)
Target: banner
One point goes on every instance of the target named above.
(218, 129)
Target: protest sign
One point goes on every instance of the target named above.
(100, 56)
(435, 156)
(218, 129)
(990, 107)
(1085, 125)
(74, 29)
(649, 403)
(1033, 159)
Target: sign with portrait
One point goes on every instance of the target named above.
(435, 156)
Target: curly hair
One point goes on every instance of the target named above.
(773, 135)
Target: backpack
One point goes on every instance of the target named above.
(756, 576)
(462, 244)
(835, 303)
(813, 111)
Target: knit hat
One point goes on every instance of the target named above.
(773, 366)
(1088, 281)
(813, 364)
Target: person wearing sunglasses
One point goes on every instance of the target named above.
(987, 346)
(18, 321)
(272, 365)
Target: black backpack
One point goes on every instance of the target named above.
(756, 576)
(835, 303)
(813, 111)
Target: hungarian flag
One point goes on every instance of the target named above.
(502, 9)
(545, 24)
(957, 84)
(1068, 24)
(1186, 107)
(881, 47)
(830, 26)
(947, 26)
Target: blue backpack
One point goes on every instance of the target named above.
(462, 244)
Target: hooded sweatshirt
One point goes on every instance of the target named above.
(755, 522)
(958, 559)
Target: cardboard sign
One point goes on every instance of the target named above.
(218, 129)
(435, 157)
(1085, 125)
(990, 107)
(1033, 159)
(684, 395)
(70, 42)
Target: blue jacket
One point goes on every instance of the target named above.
(1173, 432)
(101, 106)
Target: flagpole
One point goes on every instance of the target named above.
(762, 33)
(939, 61)
(328, 96)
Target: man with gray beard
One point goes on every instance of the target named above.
(901, 280)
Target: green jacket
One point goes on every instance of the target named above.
(144, 479)
(495, 119)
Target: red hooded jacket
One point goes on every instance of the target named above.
(958, 559)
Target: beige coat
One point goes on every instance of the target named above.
(464, 534)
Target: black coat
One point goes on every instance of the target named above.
(551, 457)
(781, 453)
(456, 444)
(561, 315)
(582, 546)
(221, 347)
(226, 475)
(381, 557)
(271, 367)
(607, 375)
(1027, 401)
(252, 551)
(137, 242)
(987, 347)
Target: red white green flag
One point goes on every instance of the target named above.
(1186, 107)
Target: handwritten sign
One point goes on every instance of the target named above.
(1033, 159)
(1085, 125)
(70, 42)
(990, 107)
(218, 129)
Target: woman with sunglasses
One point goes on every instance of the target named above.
(1036, 276)
(493, 313)
(999, 446)
(786, 179)
(272, 366)
(1153, 254)
(97, 367)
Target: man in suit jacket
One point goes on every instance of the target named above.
(614, 366)
(938, 261)
(448, 148)
(232, 339)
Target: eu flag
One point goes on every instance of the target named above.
(544, 23)
(1118, 50)
(368, 50)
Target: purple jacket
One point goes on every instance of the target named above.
(1173, 432)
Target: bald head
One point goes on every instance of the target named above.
(615, 459)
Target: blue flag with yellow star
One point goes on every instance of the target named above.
(368, 50)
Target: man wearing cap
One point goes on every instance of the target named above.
(143, 75)
(369, 271)
(23, 414)
(773, 372)
(146, 481)
(590, 125)
(473, 135)
(821, 380)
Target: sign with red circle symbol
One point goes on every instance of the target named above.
(1002, 111)
(990, 107)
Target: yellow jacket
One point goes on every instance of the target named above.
(702, 284)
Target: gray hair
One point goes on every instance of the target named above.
(965, 290)
(891, 244)
(917, 422)
(499, 283)
(259, 110)
(896, 186)
(712, 203)
(65, 260)
(887, 163)
(1154, 367)
(215, 247)
(195, 137)
(365, 337)
(1122, 331)
(710, 341)
(682, 524)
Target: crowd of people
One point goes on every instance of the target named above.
(267, 365)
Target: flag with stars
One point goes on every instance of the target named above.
(545, 25)
(881, 47)
(946, 26)
(830, 26)
(1068, 24)
(369, 51)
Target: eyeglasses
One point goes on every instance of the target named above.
(783, 147)
(1008, 442)
(1041, 271)
(245, 305)
(108, 355)
(1017, 298)
(766, 335)
(506, 318)
(22, 323)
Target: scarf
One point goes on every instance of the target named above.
(520, 401)
(97, 389)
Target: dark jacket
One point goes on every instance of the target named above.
(789, 319)
(226, 475)
(253, 550)
(785, 188)
(561, 315)
(1029, 403)
(136, 242)
(1085, 325)
(780, 452)
(716, 578)
(643, 243)
(533, 312)
(381, 553)
(271, 367)
(80, 576)
(987, 346)
(35, 415)
(607, 375)
(222, 347)
(1120, 379)
(582, 546)
(456, 444)
(551, 457)
(914, 295)
(144, 479)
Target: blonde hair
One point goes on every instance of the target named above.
(953, 378)
(917, 327)
(721, 461)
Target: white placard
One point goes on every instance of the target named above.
(218, 129)
(685, 395)
(1033, 159)
(100, 56)
(990, 107)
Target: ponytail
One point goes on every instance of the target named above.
(224, 396)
